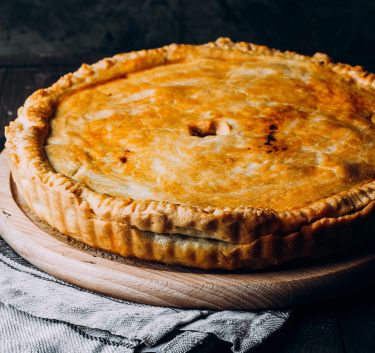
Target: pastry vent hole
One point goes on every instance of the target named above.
(210, 128)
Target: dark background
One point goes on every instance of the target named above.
(73, 31)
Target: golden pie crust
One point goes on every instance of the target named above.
(217, 156)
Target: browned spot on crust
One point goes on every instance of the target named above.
(269, 139)
(123, 158)
(273, 127)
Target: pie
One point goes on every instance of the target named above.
(217, 156)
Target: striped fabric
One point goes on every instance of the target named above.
(39, 313)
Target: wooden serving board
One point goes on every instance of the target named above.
(156, 284)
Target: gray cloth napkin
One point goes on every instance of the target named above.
(39, 313)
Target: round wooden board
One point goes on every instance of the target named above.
(169, 286)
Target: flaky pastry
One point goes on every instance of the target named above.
(217, 156)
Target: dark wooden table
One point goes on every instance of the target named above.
(345, 324)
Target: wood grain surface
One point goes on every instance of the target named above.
(154, 284)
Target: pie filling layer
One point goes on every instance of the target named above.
(264, 132)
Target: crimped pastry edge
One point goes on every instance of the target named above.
(322, 238)
(242, 225)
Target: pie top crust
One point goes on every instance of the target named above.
(230, 141)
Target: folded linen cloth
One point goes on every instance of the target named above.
(39, 313)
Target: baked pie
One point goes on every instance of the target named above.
(217, 156)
